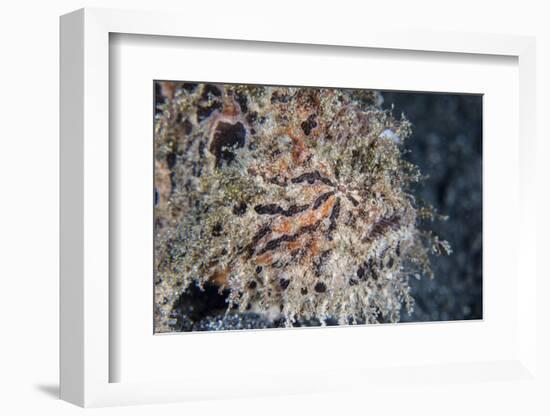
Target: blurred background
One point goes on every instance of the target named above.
(447, 147)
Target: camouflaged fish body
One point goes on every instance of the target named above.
(295, 200)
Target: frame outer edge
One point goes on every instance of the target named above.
(84, 180)
(96, 207)
(72, 208)
(528, 182)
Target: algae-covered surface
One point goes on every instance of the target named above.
(296, 206)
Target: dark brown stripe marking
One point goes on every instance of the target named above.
(382, 226)
(262, 232)
(274, 209)
(311, 177)
(334, 217)
(287, 238)
(322, 198)
(354, 201)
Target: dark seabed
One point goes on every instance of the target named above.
(447, 146)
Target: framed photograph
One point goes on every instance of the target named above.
(296, 211)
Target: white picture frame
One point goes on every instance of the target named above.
(86, 355)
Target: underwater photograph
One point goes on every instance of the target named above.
(289, 206)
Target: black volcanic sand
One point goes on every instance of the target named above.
(447, 146)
